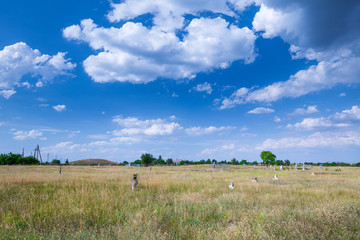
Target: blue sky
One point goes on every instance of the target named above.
(187, 80)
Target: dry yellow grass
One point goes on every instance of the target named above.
(188, 202)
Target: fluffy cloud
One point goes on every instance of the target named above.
(228, 146)
(325, 31)
(169, 15)
(318, 139)
(352, 114)
(154, 127)
(321, 76)
(203, 87)
(196, 131)
(25, 135)
(133, 126)
(306, 24)
(59, 108)
(99, 147)
(343, 119)
(66, 147)
(138, 54)
(311, 123)
(19, 60)
(7, 93)
(305, 111)
(277, 119)
(261, 110)
(236, 98)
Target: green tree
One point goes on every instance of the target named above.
(268, 157)
(161, 161)
(169, 161)
(287, 162)
(147, 159)
(13, 159)
(243, 162)
(137, 161)
(55, 162)
(2, 159)
(30, 160)
(234, 161)
(279, 162)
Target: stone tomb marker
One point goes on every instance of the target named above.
(134, 182)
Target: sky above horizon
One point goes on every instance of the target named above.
(183, 79)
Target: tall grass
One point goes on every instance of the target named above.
(188, 202)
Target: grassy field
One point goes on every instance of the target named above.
(188, 202)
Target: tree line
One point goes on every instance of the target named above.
(147, 159)
(18, 159)
(267, 157)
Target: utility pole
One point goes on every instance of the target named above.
(22, 154)
(37, 153)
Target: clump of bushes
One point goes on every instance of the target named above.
(12, 159)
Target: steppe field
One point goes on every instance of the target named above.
(187, 202)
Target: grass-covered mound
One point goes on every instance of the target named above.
(93, 161)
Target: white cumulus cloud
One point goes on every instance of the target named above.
(343, 119)
(139, 54)
(313, 33)
(318, 139)
(153, 127)
(19, 59)
(261, 110)
(203, 87)
(207, 130)
(59, 108)
(317, 77)
(305, 111)
(7, 93)
(25, 135)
